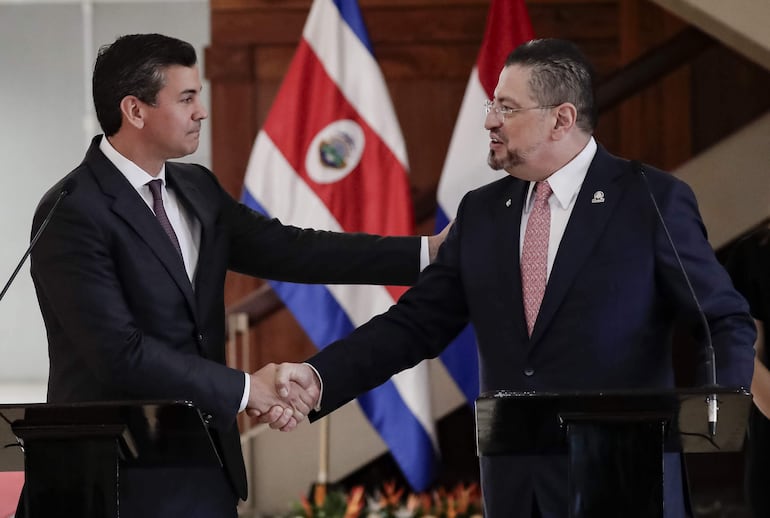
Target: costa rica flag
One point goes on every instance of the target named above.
(331, 156)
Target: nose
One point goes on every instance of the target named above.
(200, 112)
(491, 120)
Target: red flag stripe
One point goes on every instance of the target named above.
(371, 202)
(507, 27)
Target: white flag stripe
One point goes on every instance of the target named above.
(361, 302)
(355, 72)
(269, 172)
(412, 384)
(465, 166)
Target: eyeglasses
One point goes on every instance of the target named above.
(503, 112)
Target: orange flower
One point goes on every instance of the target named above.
(355, 502)
(464, 496)
(451, 510)
(413, 503)
(392, 496)
(306, 507)
(426, 503)
(319, 495)
(439, 498)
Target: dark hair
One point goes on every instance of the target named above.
(560, 73)
(134, 65)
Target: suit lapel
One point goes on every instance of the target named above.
(507, 211)
(197, 204)
(130, 207)
(586, 224)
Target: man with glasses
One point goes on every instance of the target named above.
(565, 272)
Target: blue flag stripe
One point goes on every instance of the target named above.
(397, 425)
(351, 13)
(462, 362)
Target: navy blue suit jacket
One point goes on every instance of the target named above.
(124, 322)
(605, 322)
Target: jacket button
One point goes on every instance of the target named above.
(200, 338)
(529, 371)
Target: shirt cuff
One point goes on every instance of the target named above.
(321, 384)
(246, 391)
(424, 253)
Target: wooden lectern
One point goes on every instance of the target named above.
(614, 440)
(71, 453)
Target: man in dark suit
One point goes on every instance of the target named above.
(130, 272)
(565, 272)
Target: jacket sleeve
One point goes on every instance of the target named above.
(265, 247)
(423, 322)
(730, 325)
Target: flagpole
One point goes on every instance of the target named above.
(323, 459)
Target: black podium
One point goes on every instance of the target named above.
(71, 454)
(614, 441)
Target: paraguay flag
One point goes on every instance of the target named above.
(331, 156)
(465, 167)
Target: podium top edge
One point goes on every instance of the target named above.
(620, 393)
(99, 404)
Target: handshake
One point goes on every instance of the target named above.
(282, 395)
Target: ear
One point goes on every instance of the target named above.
(133, 111)
(566, 117)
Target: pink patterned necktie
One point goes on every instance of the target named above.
(160, 212)
(534, 254)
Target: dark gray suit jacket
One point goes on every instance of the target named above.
(125, 323)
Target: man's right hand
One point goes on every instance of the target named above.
(267, 407)
(290, 376)
(298, 387)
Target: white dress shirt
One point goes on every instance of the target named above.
(565, 184)
(186, 226)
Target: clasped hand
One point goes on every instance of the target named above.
(282, 395)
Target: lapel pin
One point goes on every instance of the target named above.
(508, 202)
(598, 197)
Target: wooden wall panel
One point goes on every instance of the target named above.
(426, 49)
(729, 91)
(655, 124)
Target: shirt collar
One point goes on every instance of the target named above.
(135, 175)
(566, 182)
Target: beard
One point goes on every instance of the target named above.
(510, 160)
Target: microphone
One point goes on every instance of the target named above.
(69, 186)
(710, 362)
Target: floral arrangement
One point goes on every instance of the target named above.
(390, 502)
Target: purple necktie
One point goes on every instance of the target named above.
(160, 212)
(534, 254)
